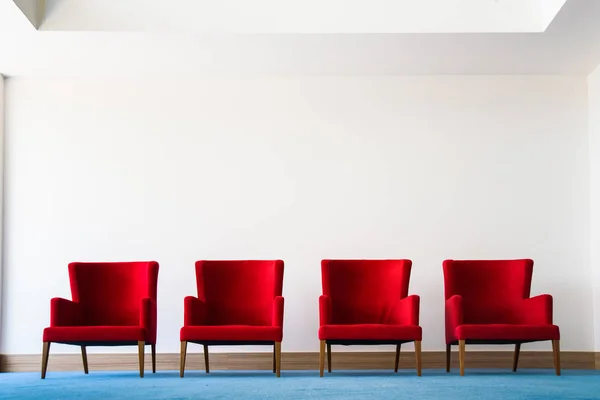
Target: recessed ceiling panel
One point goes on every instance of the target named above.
(302, 16)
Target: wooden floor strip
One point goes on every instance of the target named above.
(298, 361)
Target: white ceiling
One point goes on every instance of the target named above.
(301, 16)
(133, 38)
(12, 19)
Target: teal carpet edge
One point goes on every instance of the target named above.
(434, 384)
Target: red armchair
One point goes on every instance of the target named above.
(366, 302)
(238, 303)
(114, 304)
(487, 302)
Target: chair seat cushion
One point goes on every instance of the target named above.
(507, 332)
(370, 332)
(75, 334)
(233, 333)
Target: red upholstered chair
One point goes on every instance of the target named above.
(487, 302)
(114, 304)
(367, 302)
(238, 303)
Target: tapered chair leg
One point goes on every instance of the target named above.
(418, 356)
(206, 364)
(45, 353)
(461, 356)
(328, 358)
(556, 352)
(321, 357)
(182, 358)
(448, 357)
(516, 356)
(84, 358)
(278, 358)
(397, 357)
(153, 347)
(274, 359)
(141, 345)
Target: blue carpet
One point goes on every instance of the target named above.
(346, 385)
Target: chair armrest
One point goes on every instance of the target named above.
(454, 316)
(64, 312)
(324, 310)
(278, 303)
(148, 313)
(194, 311)
(407, 311)
(536, 310)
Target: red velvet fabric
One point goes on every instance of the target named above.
(111, 302)
(233, 333)
(368, 300)
(506, 332)
(489, 300)
(373, 332)
(103, 334)
(237, 301)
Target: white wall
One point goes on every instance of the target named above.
(301, 169)
(1, 191)
(594, 152)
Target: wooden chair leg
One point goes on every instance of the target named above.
(328, 358)
(45, 353)
(321, 357)
(397, 357)
(274, 359)
(418, 356)
(84, 358)
(206, 364)
(141, 345)
(448, 357)
(461, 356)
(516, 356)
(182, 355)
(153, 347)
(278, 358)
(556, 352)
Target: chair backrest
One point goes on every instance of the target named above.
(239, 292)
(111, 293)
(491, 289)
(364, 291)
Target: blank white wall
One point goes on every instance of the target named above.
(594, 129)
(1, 187)
(302, 169)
